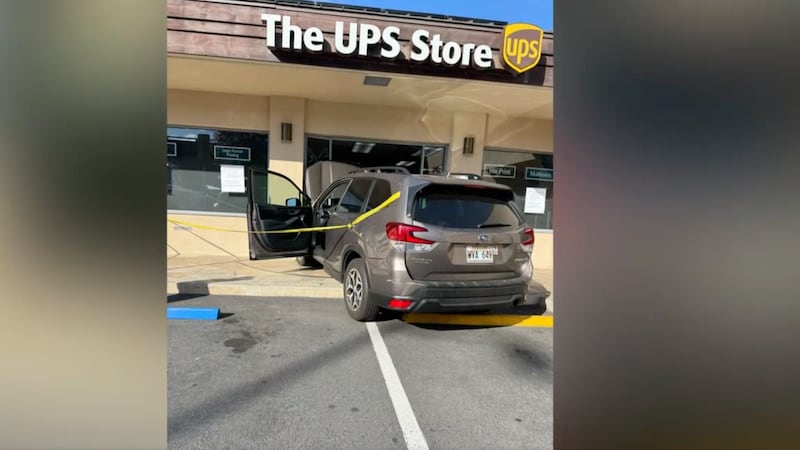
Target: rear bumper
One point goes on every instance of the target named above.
(458, 296)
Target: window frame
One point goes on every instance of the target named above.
(375, 183)
(364, 201)
(536, 153)
(195, 212)
(343, 182)
(330, 138)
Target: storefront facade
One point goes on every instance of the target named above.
(283, 85)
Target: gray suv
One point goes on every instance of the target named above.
(445, 244)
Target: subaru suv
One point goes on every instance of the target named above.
(397, 241)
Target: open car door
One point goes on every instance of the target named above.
(276, 204)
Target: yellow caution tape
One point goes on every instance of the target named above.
(355, 222)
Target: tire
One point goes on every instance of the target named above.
(539, 307)
(308, 261)
(356, 292)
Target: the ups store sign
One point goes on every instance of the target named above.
(521, 44)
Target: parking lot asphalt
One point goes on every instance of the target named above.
(299, 373)
(282, 277)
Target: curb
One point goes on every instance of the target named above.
(202, 288)
(270, 290)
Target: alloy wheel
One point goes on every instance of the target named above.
(354, 289)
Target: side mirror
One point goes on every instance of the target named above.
(293, 202)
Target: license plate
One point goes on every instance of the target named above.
(481, 255)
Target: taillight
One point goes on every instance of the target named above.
(400, 304)
(527, 244)
(403, 240)
(403, 232)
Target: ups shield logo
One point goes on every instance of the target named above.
(522, 44)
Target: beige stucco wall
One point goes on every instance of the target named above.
(207, 109)
(380, 123)
(287, 158)
(543, 251)
(467, 124)
(517, 133)
(190, 240)
(258, 113)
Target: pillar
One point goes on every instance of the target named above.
(467, 124)
(287, 158)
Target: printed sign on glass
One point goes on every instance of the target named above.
(535, 200)
(499, 171)
(538, 173)
(229, 153)
(231, 178)
(172, 149)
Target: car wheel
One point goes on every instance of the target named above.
(308, 261)
(356, 292)
(534, 305)
(540, 307)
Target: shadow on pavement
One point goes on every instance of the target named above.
(526, 358)
(200, 287)
(445, 327)
(535, 309)
(530, 314)
(181, 297)
(222, 402)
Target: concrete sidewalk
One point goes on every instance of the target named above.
(228, 275)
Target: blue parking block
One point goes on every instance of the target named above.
(193, 313)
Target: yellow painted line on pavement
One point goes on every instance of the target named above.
(499, 320)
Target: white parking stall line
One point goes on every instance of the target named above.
(412, 433)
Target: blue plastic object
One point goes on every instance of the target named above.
(192, 313)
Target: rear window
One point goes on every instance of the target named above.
(460, 207)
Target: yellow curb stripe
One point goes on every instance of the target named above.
(480, 320)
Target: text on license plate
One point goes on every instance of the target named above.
(481, 255)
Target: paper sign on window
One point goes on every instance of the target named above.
(231, 178)
(535, 200)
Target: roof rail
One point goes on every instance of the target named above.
(469, 176)
(465, 176)
(394, 169)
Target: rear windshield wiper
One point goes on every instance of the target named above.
(493, 225)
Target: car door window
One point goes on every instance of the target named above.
(353, 200)
(332, 199)
(272, 189)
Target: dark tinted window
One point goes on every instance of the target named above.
(354, 198)
(415, 158)
(380, 193)
(530, 175)
(194, 158)
(333, 197)
(463, 208)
